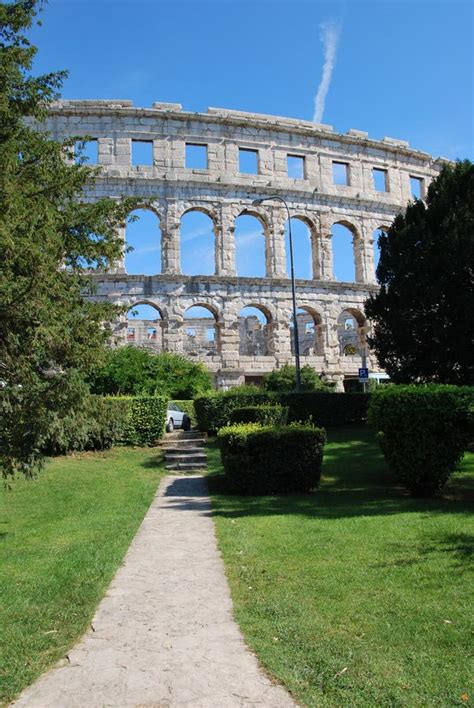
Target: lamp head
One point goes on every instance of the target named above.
(257, 202)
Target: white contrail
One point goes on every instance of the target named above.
(329, 35)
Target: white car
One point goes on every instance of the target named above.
(176, 418)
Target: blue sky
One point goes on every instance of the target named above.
(402, 68)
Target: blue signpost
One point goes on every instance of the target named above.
(363, 375)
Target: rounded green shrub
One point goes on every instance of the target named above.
(423, 431)
(272, 459)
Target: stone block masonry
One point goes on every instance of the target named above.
(170, 189)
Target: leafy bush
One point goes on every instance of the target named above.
(272, 460)
(97, 426)
(283, 379)
(326, 408)
(145, 419)
(264, 414)
(213, 410)
(423, 431)
(133, 371)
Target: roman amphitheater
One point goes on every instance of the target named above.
(219, 163)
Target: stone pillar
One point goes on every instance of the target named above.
(325, 248)
(123, 152)
(173, 332)
(229, 339)
(367, 252)
(359, 253)
(170, 240)
(105, 151)
(225, 242)
(275, 240)
(316, 248)
(118, 266)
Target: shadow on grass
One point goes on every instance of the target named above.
(355, 482)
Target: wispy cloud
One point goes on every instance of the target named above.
(193, 234)
(146, 249)
(329, 34)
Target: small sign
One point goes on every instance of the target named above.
(363, 375)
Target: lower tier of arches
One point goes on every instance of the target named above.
(243, 327)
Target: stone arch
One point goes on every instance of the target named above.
(255, 323)
(310, 331)
(351, 332)
(201, 330)
(143, 325)
(143, 236)
(305, 247)
(252, 244)
(198, 242)
(347, 256)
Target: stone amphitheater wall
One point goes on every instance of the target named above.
(170, 189)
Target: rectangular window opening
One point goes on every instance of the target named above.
(190, 331)
(295, 166)
(87, 152)
(196, 156)
(380, 179)
(416, 187)
(142, 152)
(340, 173)
(211, 334)
(248, 161)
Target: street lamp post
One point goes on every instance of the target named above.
(257, 202)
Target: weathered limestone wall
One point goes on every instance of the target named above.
(170, 189)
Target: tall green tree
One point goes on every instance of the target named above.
(423, 314)
(50, 239)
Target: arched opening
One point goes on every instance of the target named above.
(254, 331)
(198, 249)
(376, 235)
(143, 235)
(302, 249)
(343, 252)
(200, 332)
(144, 327)
(310, 332)
(250, 247)
(351, 332)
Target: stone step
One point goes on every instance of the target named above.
(198, 457)
(183, 435)
(186, 466)
(183, 444)
(188, 450)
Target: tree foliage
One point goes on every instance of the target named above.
(423, 314)
(133, 371)
(283, 379)
(51, 237)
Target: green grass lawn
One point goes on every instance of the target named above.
(62, 538)
(357, 595)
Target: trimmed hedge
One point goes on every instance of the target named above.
(106, 421)
(423, 431)
(265, 414)
(327, 408)
(272, 460)
(145, 419)
(214, 411)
